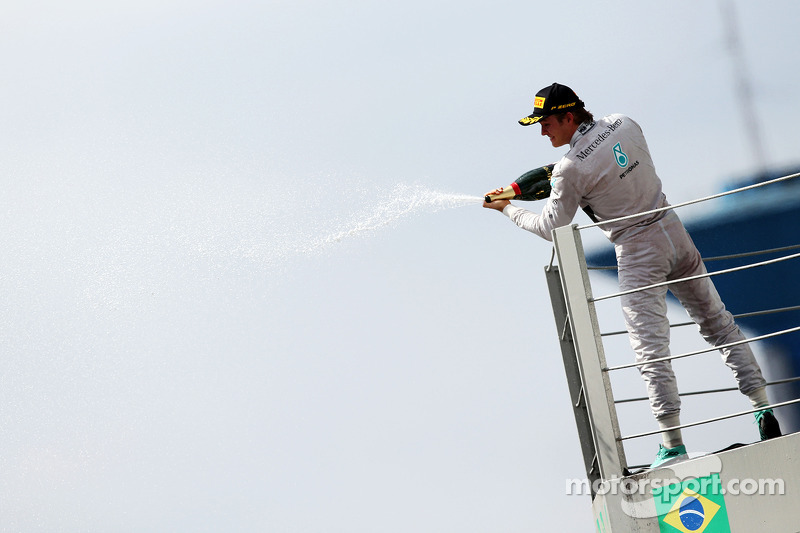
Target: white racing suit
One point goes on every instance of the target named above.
(608, 169)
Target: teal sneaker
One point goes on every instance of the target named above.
(768, 426)
(668, 454)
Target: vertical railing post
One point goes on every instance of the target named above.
(590, 355)
(573, 374)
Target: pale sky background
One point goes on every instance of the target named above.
(185, 347)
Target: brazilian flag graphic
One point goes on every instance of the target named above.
(692, 506)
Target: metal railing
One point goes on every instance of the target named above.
(583, 351)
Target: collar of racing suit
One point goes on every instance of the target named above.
(584, 128)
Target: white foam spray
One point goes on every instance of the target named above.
(372, 212)
(222, 235)
(405, 201)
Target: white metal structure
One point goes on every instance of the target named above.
(750, 488)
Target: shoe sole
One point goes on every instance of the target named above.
(671, 461)
(769, 426)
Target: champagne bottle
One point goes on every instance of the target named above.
(533, 185)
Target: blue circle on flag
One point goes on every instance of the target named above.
(692, 514)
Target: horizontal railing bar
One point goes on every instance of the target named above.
(708, 421)
(699, 276)
(690, 202)
(710, 391)
(737, 316)
(719, 257)
(768, 311)
(750, 254)
(698, 352)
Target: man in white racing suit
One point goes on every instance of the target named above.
(609, 173)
